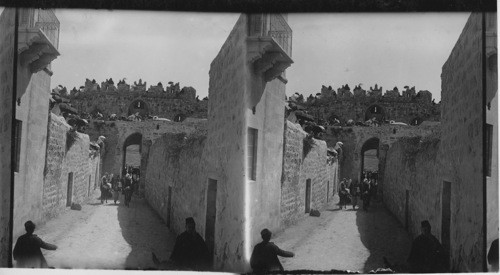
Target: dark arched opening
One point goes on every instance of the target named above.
(138, 106)
(333, 119)
(179, 117)
(370, 157)
(132, 148)
(416, 121)
(375, 111)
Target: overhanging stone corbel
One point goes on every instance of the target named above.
(267, 57)
(35, 49)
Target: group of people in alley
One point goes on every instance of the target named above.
(350, 191)
(112, 185)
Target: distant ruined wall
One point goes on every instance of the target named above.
(297, 168)
(462, 141)
(63, 157)
(355, 108)
(178, 161)
(412, 165)
(156, 103)
(6, 90)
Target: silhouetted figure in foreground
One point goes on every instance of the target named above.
(190, 251)
(27, 251)
(427, 254)
(493, 255)
(265, 255)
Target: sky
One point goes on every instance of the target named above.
(396, 49)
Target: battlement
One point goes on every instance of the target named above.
(408, 95)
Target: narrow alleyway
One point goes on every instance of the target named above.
(107, 236)
(345, 240)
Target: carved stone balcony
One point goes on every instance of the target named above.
(269, 45)
(35, 49)
(38, 38)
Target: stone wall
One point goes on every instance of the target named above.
(400, 109)
(7, 22)
(33, 92)
(117, 132)
(355, 137)
(65, 156)
(226, 148)
(462, 142)
(298, 167)
(413, 169)
(178, 161)
(156, 103)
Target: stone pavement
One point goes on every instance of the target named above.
(107, 236)
(346, 240)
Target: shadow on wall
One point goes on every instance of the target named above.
(383, 236)
(145, 232)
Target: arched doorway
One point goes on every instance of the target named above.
(132, 149)
(138, 106)
(370, 157)
(375, 111)
(416, 121)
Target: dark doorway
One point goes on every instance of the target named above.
(370, 157)
(90, 183)
(169, 206)
(308, 195)
(211, 216)
(446, 218)
(69, 195)
(132, 149)
(375, 111)
(138, 107)
(327, 191)
(407, 210)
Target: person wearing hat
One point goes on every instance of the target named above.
(265, 255)
(27, 253)
(426, 254)
(190, 250)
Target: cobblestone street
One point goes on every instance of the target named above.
(107, 236)
(345, 240)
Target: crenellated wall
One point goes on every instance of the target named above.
(154, 103)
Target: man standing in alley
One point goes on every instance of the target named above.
(427, 254)
(190, 251)
(355, 189)
(27, 251)
(265, 255)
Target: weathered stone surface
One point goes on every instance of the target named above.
(60, 162)
(117, 132)
(462, 141)
(178, 161)
(156, 102)
(393, 106)
(297, 169)
(355, 137)
(7, 23)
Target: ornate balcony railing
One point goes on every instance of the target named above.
(272, 25)
(44, 20)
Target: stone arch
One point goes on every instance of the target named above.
(132, 139)
(331, 118)
(375, 110)
(179, 117)
(369, 144)
(138, 106)
(416, 121)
